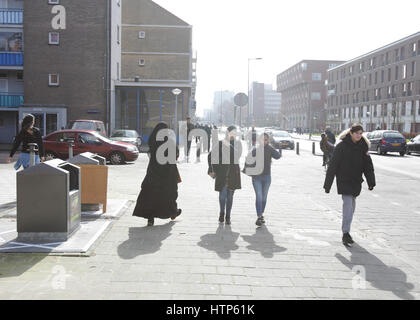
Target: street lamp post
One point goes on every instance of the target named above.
(176, 92)
(247, 120)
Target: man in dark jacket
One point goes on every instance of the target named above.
(190, 127)
(330, 135)
(350, 161)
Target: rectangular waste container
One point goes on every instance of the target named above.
(94, 177)
(48, 201)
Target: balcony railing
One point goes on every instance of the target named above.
(11, 100)
(11, 59)
(11, 16)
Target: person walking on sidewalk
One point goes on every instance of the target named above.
(28, 134)
(261, 182)
(330, 135)
(327, 148)
(159, 190)
(226, 171)
(190, 127)
(350, 161)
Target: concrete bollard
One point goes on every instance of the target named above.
(297, 148)
(313, 148)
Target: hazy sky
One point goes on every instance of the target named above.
(228, 32)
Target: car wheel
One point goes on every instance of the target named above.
(292, 148)
(402, 153)
(49, 155)
(116, 158)
(379, 150)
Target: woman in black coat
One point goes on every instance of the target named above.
(226, 171)
(350, 161)
(159, 190)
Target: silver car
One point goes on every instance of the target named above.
(129, 136)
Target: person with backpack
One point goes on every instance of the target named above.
(262, 181)
(327, 148)
(225, 170)
(350, 161)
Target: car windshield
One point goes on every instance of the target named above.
(101, 137)
(393, 135)
(124, 134)
(80, 125)
(281, 134)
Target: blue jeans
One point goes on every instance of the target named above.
(226, 200)
(261, 185)
(24, 160)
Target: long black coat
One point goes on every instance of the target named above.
(159, 190)
(227, 174)
(349, 162)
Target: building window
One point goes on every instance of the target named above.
(142, 62)
(360, 82)
(382, 76)
(53, 1)
(402, 53)
(19, 75)
(142, 34)
(389, 74)
(376, 78)
(316, 76)
(396, 72)
(387, 58)
(53, 79)
(53, 38)
(304, 66)
(370, 79)
(413, 68)
(405, 71)
(316, 95)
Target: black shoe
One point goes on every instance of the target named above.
(178, 213)
(227, 220)
(262, 219)
(259, 222)
(347, 240)
(150, 222)
(222, 217)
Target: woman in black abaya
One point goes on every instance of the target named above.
(159, 190)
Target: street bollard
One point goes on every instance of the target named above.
(297, 148)
(313, 147)
(70, 142)
(33, 147)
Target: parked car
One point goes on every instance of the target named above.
(94, 125)
(384, 141)
(282, 139)
(129, 136)
(56, 146)
(414, 145)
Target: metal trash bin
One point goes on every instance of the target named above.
(94, 177)
(48, 201)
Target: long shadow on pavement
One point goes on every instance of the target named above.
(144, 240)
(16, 264)
(222, 242)
(391, 278)
(263, 241)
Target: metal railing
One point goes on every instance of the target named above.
(11, 16)
(11, 100)
(11, 58)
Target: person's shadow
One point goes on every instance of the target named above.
(263, 241)
(222, 242)
(391, 278)
(144, 240)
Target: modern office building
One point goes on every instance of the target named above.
(380, 89)
(265, 104)
(302, 87)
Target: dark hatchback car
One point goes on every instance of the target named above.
(282, 139)
(56, 146)
(384, 141)
(414, 145)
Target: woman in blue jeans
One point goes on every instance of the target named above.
(262, 181)
(224, 168)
